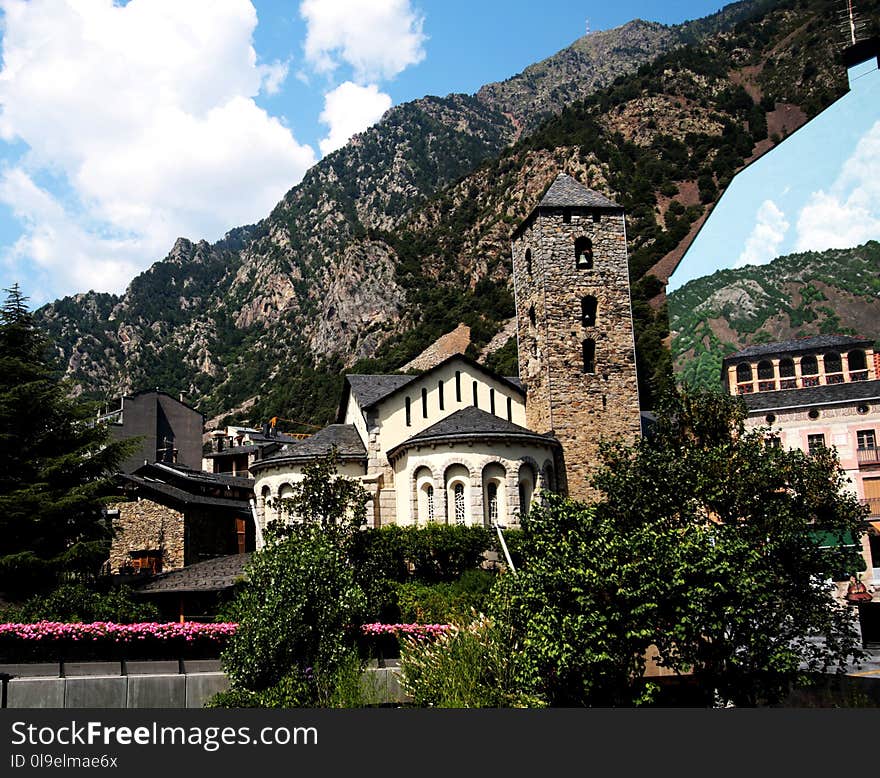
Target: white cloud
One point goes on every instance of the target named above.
(378, 38)
(273, 76)
(145, 114)
(350, 109)
(763, 243)
(848, 214)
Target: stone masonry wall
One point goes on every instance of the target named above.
(144, 525)
(579, 408)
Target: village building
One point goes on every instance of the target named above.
(814, 392)
(459, 444)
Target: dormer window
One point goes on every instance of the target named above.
(583, 252)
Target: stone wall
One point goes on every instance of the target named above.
(144, 525)
(579, 408)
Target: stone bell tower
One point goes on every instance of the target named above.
(574, 327)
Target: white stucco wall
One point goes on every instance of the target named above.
(475, 458)
(392, 426)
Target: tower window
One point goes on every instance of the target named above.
(408, 413)
(440, 393)
(476, 404)
(458, 386)
(532, 318)
(588, 350)
(492, 401)
(529, 261)
(583, 253)
(424, 403)
(509, 409)
(589, 305)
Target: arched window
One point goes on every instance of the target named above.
(786, 374)
(492, 401)
(458, 386)
(589, 305)
(440, 393)
(458, 497)
(583, 253)
(549, 477)
(285, 493)
(529, 261)
(492, 494)
(429, 493)
(809, 371)
(833, 368)
(743, 372)
(527, 481)
(856, 360)
(424, 486)
(588, 351)
(766, 376)
(424, 403)
(494, 503)
(408, 413)
(456, 480)
(476, 404)
(858, 365)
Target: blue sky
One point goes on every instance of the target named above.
(126, 125)
(819, 189)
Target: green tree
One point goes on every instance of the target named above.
(727, 526)
(55, 463)
(300, 608)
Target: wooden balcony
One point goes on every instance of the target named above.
(873, 504)
(868, 456)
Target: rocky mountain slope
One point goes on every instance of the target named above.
(834, 291)
(404, 233)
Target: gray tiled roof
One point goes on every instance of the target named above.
(567, 192)
(211, 575)
(473, 423)
(343, 437)
(815, 395)
(180, 496)
(231, 452)
(187, 475)
(369, 389)
(814, 343)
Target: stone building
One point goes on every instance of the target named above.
(172, 517)
(816, 392)
(458, 443)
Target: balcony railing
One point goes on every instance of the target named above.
(873, 504)
(868, 456)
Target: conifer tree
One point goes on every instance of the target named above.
(55, 463)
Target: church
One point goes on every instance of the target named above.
(459, 444)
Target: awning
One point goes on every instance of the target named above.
(875, 525)
(827, 539)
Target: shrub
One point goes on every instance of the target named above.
(299, 609)
(79, 603)
(444, 602)
(467, 666)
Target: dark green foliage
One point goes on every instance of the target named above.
(505, 361)
(77, 602)
(55, 464)
(738, 589)
(773, 290)
(445, 603)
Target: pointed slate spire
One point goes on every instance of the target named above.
(566, 192)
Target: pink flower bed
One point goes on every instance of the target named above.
(405, 630)
(118, 633)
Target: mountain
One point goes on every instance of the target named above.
(403, 234)
(829, 292)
